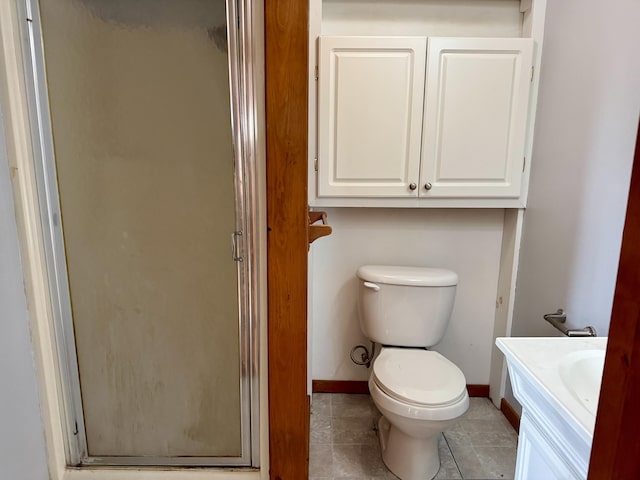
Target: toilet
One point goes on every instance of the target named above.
(419, 392)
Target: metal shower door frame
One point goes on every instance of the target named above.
(243, 92)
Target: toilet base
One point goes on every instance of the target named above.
(408, 458)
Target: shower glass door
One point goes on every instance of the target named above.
(141, 193)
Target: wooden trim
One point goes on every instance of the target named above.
(361, 386)
(616, 445)
(510, 414)
(340, 386)
(286, 59)
(478, 390)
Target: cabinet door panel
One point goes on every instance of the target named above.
(538, 456)
(370, 101)
(475, 116)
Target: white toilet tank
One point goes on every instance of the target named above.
(405, 306)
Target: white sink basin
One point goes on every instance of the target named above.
(557, 382)
(581, 373)
(566, 370)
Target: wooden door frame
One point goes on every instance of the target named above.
(286, 60)
(616, 443)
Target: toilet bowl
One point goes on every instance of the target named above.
(416, 407)
(419, 392)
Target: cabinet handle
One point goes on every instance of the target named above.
(412, 186)
(427, 186)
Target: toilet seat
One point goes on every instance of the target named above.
(421, 378)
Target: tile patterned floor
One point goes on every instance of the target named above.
(344, 443)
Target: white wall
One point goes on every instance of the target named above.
(588, 106)
(466, 241)
(587, 118)
(22, 450)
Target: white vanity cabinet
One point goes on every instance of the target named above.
(557, 382)
(538, 457)
(422, 116)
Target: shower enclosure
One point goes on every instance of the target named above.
(143, 115)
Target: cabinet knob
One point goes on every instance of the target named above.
(412, 186)
(427, 186)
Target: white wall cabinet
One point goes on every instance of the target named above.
(371, 91)
(475, 116)
(398, 119)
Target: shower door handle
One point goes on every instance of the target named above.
(234, 246)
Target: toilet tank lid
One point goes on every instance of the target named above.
(415, 276)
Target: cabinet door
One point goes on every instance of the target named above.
(371, 92)
(537, 457)
(475, 116)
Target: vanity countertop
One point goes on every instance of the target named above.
(565, 371)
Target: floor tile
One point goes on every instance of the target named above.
(456, 427)
(492, 439)
(502, 419)
(387, 476)
(351, 478)
(321, 461)
(347, 461)
(457, 439)
(477, 462)
(344, 444)
(485, 433)
(353, 430)
(320, 431)
(321, 404)
(480, 407)
(345, 405)
(357, 460)
(469, 463)
(448, 468)
(498, 462)
(481, 425)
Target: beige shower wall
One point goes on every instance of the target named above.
(143, 150)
